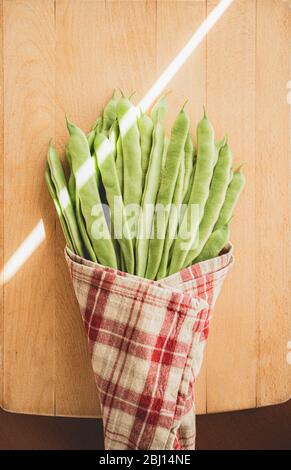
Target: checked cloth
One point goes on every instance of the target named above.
(146, 340)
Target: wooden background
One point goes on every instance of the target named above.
(66, 56)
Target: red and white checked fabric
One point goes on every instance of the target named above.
(146, 340)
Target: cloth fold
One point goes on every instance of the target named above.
(146, 340)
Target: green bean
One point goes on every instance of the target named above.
(160, 110)
(188, 163)
(97, 170)
(104, 150)
(109, 114)
(170, 172)
(122, 263)
(159, 113)
(59, 181)
(191, 181)
(218, 188)
(53, 194)
(71, 182)
(199, 194)
(173, 221)
(149, 198)
(218, 147)
(113, 137)
(215, 244)
(97, 126)
(83, 231)
(145, 125)
(232, 195)
(86, 184)
(119, 163)
(178, 193)
(230, 175)
(166, 145)
(132, 171)
(90, 138)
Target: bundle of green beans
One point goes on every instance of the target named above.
(140, 201)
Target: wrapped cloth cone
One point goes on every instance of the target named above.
(146, 340)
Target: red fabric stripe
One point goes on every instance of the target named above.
(124, 394)
(133, 404)
(115, 328)
(93, 322)
(157, 379)
(109, 401)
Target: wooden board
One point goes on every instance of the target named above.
(273, 161)
(29, 122)
(66, 56)
(233, 348)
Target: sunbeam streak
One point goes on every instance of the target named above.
(105, 149)
(64, 198)
(85, 172)
(23, 252)
(183, 55)
(128, 120)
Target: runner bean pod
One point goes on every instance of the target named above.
(149, 198)
(170, 172)
(131, 151)
(145, 125)
(106, 162)
(53, 194)
(199, 194)
(215, 244)
(86, 184)
(173, 221)
(232, 195)
(218, 188)
(63, 196)
(109, 114)
(188, 163)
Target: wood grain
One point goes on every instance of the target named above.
(272, 227)
(76, 95)
(232, 351)
(28, 124)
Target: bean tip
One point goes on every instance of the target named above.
(122, 94)
(50, 146)
(131, 95)
(238, 168)
(167, 93)
(70, 125)
(184, 105)
(204, 112)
